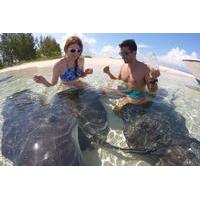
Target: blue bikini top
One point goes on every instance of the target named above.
(72, 73)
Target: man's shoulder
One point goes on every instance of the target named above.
(124, 65)
(144, 66)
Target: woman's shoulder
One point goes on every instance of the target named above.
(81, 58)
(81, 61)
(60, 63)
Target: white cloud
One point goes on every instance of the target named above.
(175, 57)
(111, 51)
(194, 54)
(108, 51)
(88, 43)
(143, 46)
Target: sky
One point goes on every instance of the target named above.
(168, 48)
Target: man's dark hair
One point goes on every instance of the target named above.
(130, 44)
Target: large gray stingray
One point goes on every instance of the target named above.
(91, 114)
(5, 78)
(196, 88)
(157, 129)
(39, 134)
(35, 134)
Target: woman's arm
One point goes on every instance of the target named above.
(44, 81)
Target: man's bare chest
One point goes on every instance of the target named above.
(132, 76)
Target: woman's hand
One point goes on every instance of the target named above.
(40, 79)
(88, 71)
(106, 69)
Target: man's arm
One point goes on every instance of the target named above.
(107, 71)
(112, 76)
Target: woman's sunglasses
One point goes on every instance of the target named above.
(75, 50)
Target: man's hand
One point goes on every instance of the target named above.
(152, 87)
(151, 80)
(154, 73)
(106, 70)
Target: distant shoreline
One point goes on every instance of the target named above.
(88, 61)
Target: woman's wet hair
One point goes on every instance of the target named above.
(73, 40)
(131, 44)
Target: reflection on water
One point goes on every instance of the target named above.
(179, 104)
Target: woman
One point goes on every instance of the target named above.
(70, 68)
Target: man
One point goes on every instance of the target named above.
(135, 74)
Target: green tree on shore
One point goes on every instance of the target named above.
(1, 64)
(25, 46)
(6, 48)
(15, 47)
(48, 47)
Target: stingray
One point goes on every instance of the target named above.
(90, 113)
(5, 78)
(196, 88)
(159, 131)
(39, 134)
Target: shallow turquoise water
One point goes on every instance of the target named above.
(183, 92)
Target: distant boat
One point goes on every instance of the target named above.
(194, 65)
